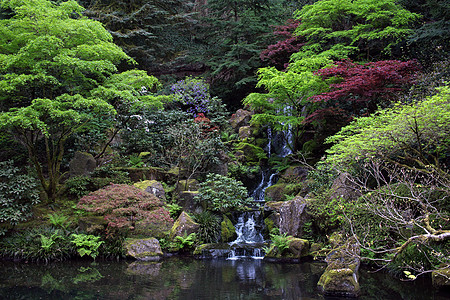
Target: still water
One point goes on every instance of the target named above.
(185, 278)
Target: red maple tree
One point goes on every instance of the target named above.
(361, 88)
(278, 54)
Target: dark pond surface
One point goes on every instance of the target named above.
(185, 278)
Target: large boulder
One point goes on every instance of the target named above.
(245, 132)
(183, 226)
(341, 277)
(343, 187)
(240, 118)
(187, 201)
(143, 249)
(276, 192)
(187, 185)
(82, 164)
(298, 248)
(289, 216)
(228, 231)
(153, 187)
(441, 277)
(294, 173)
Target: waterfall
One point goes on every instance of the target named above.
(247, 229)
(249, 241)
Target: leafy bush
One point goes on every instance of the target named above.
(210, 228)
(18, 194)
(37, 244)
(193, 93)
(279, 241)
(222, 193)
(86, 244)
(59, 220)
(126, 206)
(80, 186)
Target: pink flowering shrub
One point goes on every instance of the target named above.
(127, 207)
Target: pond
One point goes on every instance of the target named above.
(186, 278)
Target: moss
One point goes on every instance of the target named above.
(187, 185)
(440, 278)
(184, 225)
(228, 231)
(199, 249)
(276, 192)
(339, 281)
(144, 184)
(269, 224)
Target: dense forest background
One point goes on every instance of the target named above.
(184, 91)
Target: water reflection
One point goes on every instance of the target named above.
(178, 278)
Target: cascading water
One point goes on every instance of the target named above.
(249, 239)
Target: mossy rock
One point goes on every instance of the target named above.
(153, 187)
(253, 154)
(183, 226)
(441, 277)
(269, 224)
(143, 249)
(187, 186)
(339, 282)
(147, 173)
(245, 132)
(276, 192)
(298, 248)
(228, 231)
(187, 201)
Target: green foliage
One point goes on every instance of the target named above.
(86, 244)
(279, 241)
(222, 193)
(52, 121)
(239, 171)
(328, 214)
(283, 106)
(47, 50)
(415, 135)
(233, 34)
(18, 194)
(174, 210)
(153, 32)
(80, 186)
(364, 26)
(37, 244)
(58, 220)
(193, 148)
(185, 242)
(210, 229)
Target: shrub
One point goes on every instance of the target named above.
(18, 194)
(210, 229)
(126, 206)
(222, 193)
(194, 93)
(37, 244)
(86, 244)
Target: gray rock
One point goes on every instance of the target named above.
(344, 188)
(341, 276)
(81, 164)
(289, 216)
(153, 187)
(183, 226)
(143, 249)
(240, 118)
